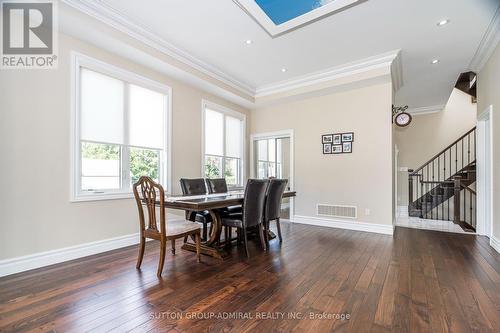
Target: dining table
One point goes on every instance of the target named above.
(213, 203)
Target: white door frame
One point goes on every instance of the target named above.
(484, 211)
(288, 133)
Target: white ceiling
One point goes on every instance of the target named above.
(215, 31)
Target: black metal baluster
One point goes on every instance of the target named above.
(462, 155)
(449, 189)
(468, 149)
(450, 162)
(426, 190)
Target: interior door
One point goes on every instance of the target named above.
(272, 158)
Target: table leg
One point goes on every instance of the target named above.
(210, 247)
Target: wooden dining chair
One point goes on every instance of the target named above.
(147, 195)
(272, 209)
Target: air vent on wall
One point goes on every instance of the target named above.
(337, 211)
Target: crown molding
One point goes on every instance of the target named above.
(119, 21)
(488, 44)
(397, 72)
(113, 18)
(426, 110)
(364, 65)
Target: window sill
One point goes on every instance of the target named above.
(101, 196)
(104, 196)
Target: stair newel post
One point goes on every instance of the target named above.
(456, 202)
(410, 189)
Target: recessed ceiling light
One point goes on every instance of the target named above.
(249, 41)
(283, 69)
(435, 61)
(443, 22)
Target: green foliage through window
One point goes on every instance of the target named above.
(97, 151)
(144, 162)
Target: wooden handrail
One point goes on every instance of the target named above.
(441, 152)
(437, 182)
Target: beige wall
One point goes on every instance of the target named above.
(363, 178)
(428, 134)
(488, 93)
(36, 214)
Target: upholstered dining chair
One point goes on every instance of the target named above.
(272, 209)
(147, 195)
(216, 185)
(196, 186)
(219, 185)
(252, 215)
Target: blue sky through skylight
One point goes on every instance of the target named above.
(281, 11)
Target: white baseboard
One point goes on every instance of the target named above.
(402, 211)
(386, 229)
(495, 243)
(41, 259)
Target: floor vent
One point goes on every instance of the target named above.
(337, 211)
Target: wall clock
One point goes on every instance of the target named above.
(403, 119)
(400, 116)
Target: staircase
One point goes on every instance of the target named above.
(443, 187)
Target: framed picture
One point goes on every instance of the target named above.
(327, 138)
(348, 137)
(337, 149)
(327, 148)
(337, 139)
(347, 147)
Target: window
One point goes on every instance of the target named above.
(121, 128)
(268, 157)
(224, 141)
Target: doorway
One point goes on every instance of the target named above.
(272, 156)
(484, 172)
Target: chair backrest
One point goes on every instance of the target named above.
(194, 186)
(217, 185)
(254, 201)
(274, 195)
(147, 193)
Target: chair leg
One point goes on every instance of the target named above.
(226, 235)
(198, 246)
(205, 231)
(238, 235)
(173, 246)
(261, 236)
(163, 249)
(141, 252)
(245, 241)
(229, 234)
(278, 226)
(266, 231)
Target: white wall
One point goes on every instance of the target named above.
(488, 93)
(363, 178)
(36, 214)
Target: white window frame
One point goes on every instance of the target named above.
(205, 104)
(78, 61)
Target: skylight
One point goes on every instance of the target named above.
(280, 11)
(280, 16)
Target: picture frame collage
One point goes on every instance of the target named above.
(337, 143)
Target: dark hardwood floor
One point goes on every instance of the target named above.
(414, 281)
